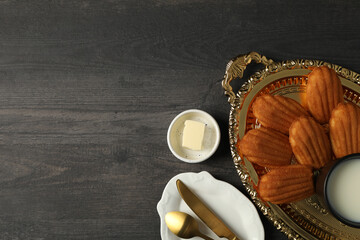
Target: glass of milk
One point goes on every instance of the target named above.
(339, 186)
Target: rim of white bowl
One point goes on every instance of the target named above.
(214, 148)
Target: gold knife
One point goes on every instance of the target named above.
(204, 213)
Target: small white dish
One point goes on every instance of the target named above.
(228, 203)
(211, 136)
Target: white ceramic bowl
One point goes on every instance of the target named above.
(211, 136)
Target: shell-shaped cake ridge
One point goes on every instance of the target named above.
(277, 112)
(345, 129)
(287, 184)
(309, 142)
(323, 93)
(266, 147)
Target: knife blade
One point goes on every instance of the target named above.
(204, 213)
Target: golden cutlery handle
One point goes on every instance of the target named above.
(204, 236)
(235, 69)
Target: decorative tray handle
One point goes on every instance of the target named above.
(235, 69)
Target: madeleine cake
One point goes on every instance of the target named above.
(266, 147)
(287, 184)
(345, 129)
(323, 93)
(277, 112)
(309, 143)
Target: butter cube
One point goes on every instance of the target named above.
(193, 135)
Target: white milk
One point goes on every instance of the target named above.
(344, 189)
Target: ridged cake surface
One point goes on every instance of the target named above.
(266, 147)
(345, 129)
(309, 142)
(287, 184)
(323, 93)
(277, 112)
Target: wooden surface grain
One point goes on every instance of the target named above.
(88, 89)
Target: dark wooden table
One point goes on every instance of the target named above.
(89, 88)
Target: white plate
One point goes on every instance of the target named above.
(228, 203)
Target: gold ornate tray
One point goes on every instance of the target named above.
(306, 219)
